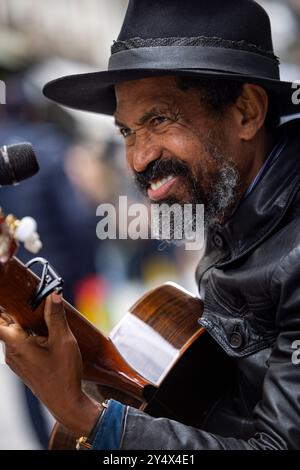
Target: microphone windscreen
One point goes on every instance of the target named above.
(17, 162)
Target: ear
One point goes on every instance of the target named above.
(251, 109)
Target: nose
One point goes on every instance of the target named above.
(144, 151)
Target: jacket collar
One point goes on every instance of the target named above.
(259, 214)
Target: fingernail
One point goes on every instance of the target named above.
(57, 298)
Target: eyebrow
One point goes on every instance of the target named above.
(119, 123)
(148, 115)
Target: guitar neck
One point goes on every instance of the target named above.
(102, 363)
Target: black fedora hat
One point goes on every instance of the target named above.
(222, 39)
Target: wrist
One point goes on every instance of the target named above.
(84, 416)
(85, 442)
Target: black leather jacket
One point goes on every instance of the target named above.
(249, 278)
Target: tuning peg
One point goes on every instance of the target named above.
(26, 232)
(33, 244)
(26, 227)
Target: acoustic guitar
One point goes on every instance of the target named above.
(157, 359)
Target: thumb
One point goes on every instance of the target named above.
(55, 317)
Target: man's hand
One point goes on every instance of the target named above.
(51, 367)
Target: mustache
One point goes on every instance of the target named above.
(159, 169)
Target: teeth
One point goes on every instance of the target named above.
(159, 183)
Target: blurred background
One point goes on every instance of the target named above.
(82, 165)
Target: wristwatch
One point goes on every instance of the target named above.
(86, 442)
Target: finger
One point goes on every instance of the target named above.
(12, 333)
(41, 341)
(8, 319)
(7, 334)
(3, 322)
(55, 317)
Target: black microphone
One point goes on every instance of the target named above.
(17, 162)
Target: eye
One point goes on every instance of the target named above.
(125, 131)
(159, 120)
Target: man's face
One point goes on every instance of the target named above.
(177, 149)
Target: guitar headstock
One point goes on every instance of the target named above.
(13, 231)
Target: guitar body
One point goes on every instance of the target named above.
(161, 339)
(157, 359)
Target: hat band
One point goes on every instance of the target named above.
(195, 57)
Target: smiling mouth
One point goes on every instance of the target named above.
(160, 189)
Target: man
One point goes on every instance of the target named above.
(195, 91)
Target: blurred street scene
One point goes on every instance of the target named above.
(82, 165)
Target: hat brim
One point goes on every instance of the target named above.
(94, 91)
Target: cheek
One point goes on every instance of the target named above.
(129, 155)
(182, 144)
(192, 148)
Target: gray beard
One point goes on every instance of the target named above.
(223, 195)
